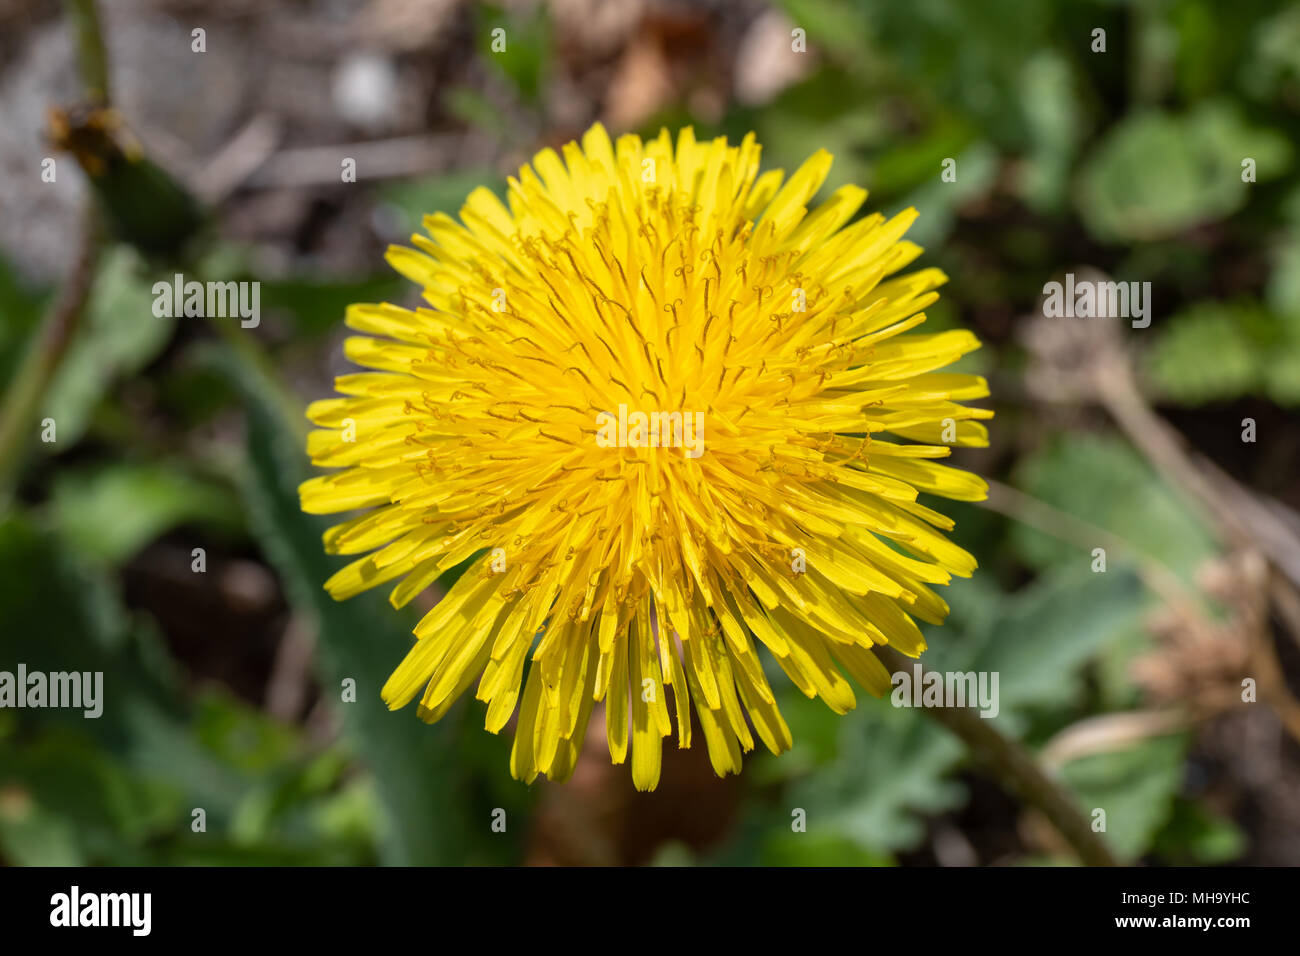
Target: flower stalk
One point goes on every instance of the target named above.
(1014, 767)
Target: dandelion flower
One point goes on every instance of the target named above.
(676, 418)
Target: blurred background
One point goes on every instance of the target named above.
(1175, 448)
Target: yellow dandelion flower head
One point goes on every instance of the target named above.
(662, 403)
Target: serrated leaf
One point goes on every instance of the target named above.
(1047, 631)
(1135, 787)
(1102, 481)
(891, 765)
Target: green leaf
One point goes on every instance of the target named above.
(1282, 376)
(892, 764)
(967, 57)
(121, 335)
(1196, 835)
(525, 60)
(1135, 787)
(89, 805)
(471, 106)
(1053, 117)
(110, 513)
(1155, 174)
(818, 849)
(31, 835)
(1046, 632)
(361, 639)
(144, 204)
(1219, 351)
(1284, 279)
(839, 27)
(21, 308)
(1274, 57)
(1208, 354)
(61, 615)
(866, 776)
(938, 201)
(861, 778)
(918, 162)
(1102, 481)
(120, 788)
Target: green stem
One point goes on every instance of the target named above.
(1017, 769)
(18, 415)
(91, 55)
(22, 401)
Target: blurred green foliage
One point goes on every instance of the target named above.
(1128, 159)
